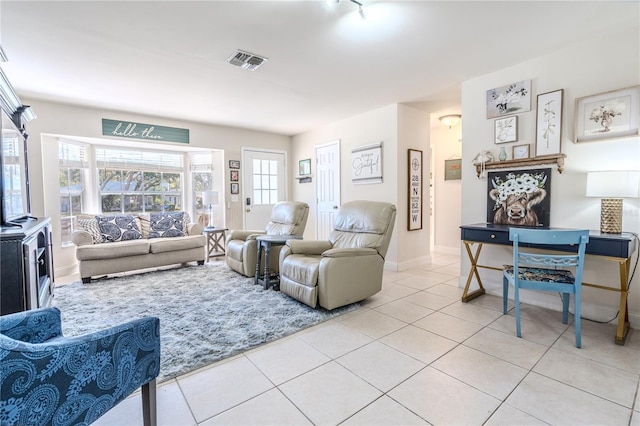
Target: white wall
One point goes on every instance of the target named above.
(59, 119)
(593, 66)
(399, 127)
(446, 144)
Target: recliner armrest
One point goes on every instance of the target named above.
(349, 252)
(243, 234)
(313, 247)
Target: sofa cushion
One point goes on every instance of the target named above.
(91, 226)
(170, 224)
(112, 250)
(118, 228)
(161, 245)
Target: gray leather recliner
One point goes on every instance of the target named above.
(348, 267)
(287, 218)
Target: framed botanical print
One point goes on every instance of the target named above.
(549, 123)
(506, 129)
(609, 115)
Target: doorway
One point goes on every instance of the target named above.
(327, 187)
(264, 184)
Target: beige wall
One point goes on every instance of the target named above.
(57, 119)
(398, 127)
(591, 67)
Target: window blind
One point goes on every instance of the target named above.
(72, 155)
(109, 158)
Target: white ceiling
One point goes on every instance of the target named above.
(168, 58)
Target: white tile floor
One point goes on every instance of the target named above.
(414, 354)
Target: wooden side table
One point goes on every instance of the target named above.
(215, 241)
(265, 242)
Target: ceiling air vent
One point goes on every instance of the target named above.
(246, 60)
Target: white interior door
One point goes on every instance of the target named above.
(327, 186)
(264, 184)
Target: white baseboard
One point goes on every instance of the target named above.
(447, 250)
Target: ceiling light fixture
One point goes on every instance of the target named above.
(360, 7)
(450, 119)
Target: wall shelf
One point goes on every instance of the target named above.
(536, 161)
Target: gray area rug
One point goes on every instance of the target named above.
(207, 313)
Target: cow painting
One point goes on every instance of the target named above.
(519, 198)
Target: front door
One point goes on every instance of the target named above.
(264, 184)
(328, 186)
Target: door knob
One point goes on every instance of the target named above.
(248, 210)
(335, 207)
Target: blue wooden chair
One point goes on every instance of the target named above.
(49, 379)
(541, 271)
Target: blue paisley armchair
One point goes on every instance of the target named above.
(49, 379)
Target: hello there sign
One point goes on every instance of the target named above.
(150, 132)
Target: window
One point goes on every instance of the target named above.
(73, 166)
(265, 181)
(202, 180)
(139, 181)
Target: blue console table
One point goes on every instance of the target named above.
(616, 248)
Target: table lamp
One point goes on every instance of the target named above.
(210, 198)
(612, 187)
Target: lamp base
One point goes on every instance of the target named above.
(611, 215)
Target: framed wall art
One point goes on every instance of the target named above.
(304, 167)
(234, 164)
(520, 152)
(366, 164)
(510, 99)
(453, 169)
(609, 115)
(506, 129)
(233, 175)
(549, 123)
(415, 190)
(519, 198)
(235, 188)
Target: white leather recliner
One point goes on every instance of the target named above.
(287, 218)
(348, 267)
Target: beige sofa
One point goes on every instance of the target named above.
(348, 267)
(99, 258)
(287, 218)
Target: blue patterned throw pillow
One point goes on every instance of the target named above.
(167, 225)
(118, 228)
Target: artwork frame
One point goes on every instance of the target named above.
(509, 99)
(366, 164)
(414, 185)
(234, 164)
(304, 167)
(235, 188)
(234, 176)
(521, 152)
(453, 169)
(505, 129)
(549, 123)
(519, 198)
(593, 113)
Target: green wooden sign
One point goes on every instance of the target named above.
(149, 132)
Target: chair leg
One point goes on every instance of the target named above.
(149, 413)
(505, 295)
(576, 321)
(516, 301)
(565, 308)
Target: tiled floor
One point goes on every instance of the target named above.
(414, 354)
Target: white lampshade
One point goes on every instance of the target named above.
(210, 198)
(613, 184)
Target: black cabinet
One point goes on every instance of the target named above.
(26, 266)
